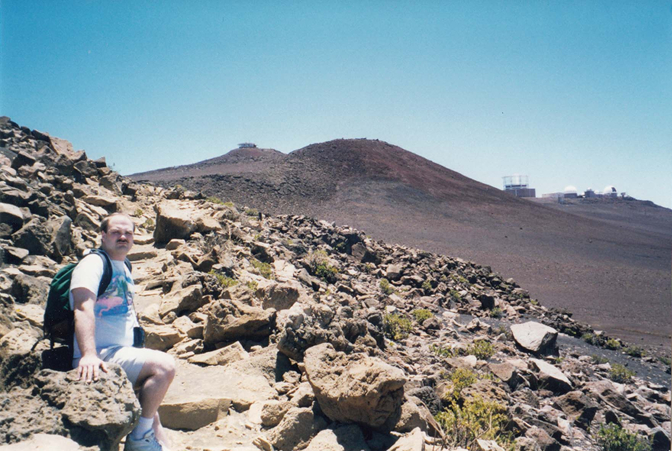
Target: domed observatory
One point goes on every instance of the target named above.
(570, 192)
(610, 191)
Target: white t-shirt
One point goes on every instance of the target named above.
(114, 310)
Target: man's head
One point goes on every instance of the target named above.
(117, 235)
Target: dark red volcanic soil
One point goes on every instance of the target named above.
(608, 263)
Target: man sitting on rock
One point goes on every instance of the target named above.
(104, 332)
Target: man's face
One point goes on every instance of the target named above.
(119, 235)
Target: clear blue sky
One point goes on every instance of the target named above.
(568, 92)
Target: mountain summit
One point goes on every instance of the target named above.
(604, 270)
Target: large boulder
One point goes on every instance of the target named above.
(230, 320)
(92, 414)
(172, 222)
(354, 388)
(182, 300)
(535, 337)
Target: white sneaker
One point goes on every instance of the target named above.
(147, 443)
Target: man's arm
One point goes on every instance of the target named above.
(85, 331)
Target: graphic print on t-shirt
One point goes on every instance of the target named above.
(117, 297)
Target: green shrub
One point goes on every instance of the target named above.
(252, 212)
(264, 269)
(138, 212)
(397, 327)
(427, 285)
(464, 423)
(613, 437)
(599, 360)
(455, 295)
(252, 285)
(443, 352)
(459, 279)
(612, 344)
(215, 200)
(385, 286)
(148, 224)
(482, 349)
(223, 280)
(665, 360)
(591, 339)
(635, 351)
(620, 373)
(422, 314)
(229, 204)
(326, 272)
(496, 313)
(460, 379)
(341, 246)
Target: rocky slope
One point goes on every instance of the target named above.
(292, 333)
(611, 269)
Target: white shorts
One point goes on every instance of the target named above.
(129, 358)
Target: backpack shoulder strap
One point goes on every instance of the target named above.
(107, 270)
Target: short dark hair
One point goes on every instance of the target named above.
(106, 222)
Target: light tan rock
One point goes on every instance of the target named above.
(354, 388)
(173, 222)
(488, 445)
(161, 338)
(187, 327)
(296, 429)
(44, 442)
(345, 438)
(413, 441)
(222, 356)
(182, 300)
(192, 415)
(273, 411)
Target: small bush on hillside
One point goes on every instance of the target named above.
(229, 204)
(443, 352)
(464, 423)
(223, 280)
(427, 285)
(460, 379)
(252, 212)
(635, 351)
(599, 360)
(591, 339)
(422, 314)
(264, 269)
(482, 349)
(665, 360)
(612, 344)
(455, 295)
(215, 200)
(620, 373)
(496, 313)
(148, 224)
(252, 285)
(397, 327)
(613, 437)
(459, 279)
(138, 212)
(385, 286)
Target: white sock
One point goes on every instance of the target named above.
(144, 425)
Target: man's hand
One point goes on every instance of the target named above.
(88, 368)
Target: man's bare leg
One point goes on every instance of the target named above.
(155, 377)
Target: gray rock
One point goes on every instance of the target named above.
(551, 377)
(535, 337)
(578, 407)
(280, 296)
(354, 388)
(506, 372)
(413, 441)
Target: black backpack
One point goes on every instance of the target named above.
(59, 320)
